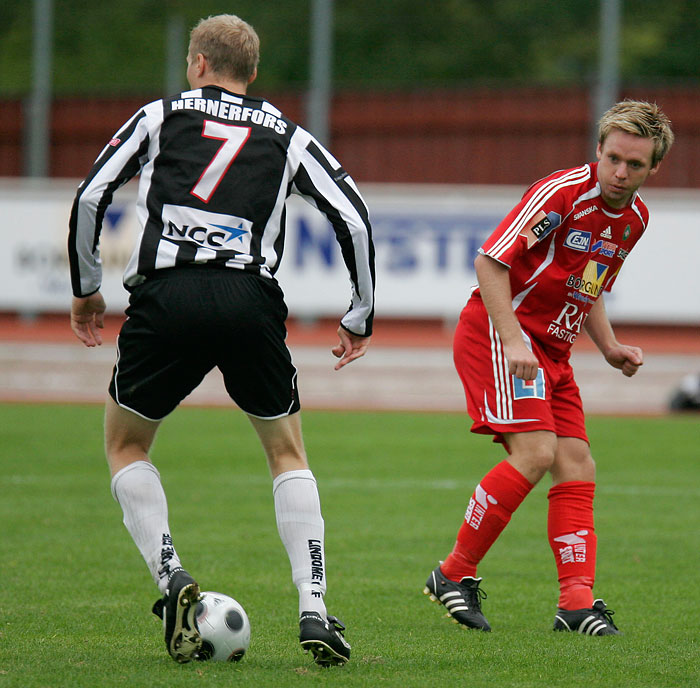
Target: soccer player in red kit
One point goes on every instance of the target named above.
(541, 274)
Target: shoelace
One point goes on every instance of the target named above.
(474, 597)
(606, 614)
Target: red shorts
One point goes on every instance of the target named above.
(498, 402)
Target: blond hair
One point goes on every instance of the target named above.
(230, 45)
(639, 118)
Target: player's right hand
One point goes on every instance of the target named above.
(350, 347)
(87, 318)
(521, 361)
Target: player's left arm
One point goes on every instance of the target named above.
(626, 358)
(325, 184)
(349, 347)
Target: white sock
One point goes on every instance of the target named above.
(300, 525)
(138, 491)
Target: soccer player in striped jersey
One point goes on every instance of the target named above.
(216, 167)
(541, 275)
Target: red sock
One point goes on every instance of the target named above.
(495, 499)
(573, 541)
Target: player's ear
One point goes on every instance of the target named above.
(599, 151)
(253, 76)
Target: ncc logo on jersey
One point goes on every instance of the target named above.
(208, 230)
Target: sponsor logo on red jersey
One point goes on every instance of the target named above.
(585, 212)
(540, 226)
(591, 282)
(605, 248)
(567, 325)
(578, 240)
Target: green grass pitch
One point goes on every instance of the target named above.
(75, 595)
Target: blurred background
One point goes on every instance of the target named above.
(443, 111)
(439, 91)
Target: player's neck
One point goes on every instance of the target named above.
(233, 86)
(209, 78)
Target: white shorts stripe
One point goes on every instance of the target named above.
(501, 377)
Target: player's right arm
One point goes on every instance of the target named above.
(119, 161)
(494, 287)
(87, 318)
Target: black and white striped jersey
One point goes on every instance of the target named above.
(215, 171)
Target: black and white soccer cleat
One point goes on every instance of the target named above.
(462, 600)
(177, 608)
(594, 621)
(324, 639)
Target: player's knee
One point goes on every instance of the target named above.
(533, 463)
(532, 454)
(541, 457)
(583, 467)
(573, 462)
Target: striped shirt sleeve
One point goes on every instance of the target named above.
(322, 181)
(510, 238)
(118, 162)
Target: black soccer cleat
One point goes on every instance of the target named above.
(462, 600)
(178, 608)
(324, 639)
(594, 621)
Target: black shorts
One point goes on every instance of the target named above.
(185, 321)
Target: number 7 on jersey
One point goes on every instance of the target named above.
(234, 138)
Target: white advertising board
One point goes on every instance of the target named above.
(426, 238)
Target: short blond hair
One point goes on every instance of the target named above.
(639, 118)
(230, 45)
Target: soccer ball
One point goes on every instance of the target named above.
(224, 627)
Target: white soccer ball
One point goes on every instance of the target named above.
(224, 627)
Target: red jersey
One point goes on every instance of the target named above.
(564, 245)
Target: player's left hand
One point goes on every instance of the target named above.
(350, 347)
(87, 318)
(628, 359)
